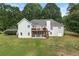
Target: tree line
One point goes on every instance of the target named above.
(10, 16)
(71, 20)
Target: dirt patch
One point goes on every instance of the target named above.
(62, 53)
(66, 53)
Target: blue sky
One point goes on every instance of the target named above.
(63, 6)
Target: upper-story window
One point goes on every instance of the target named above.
(51, 28)
(33, 26)
(28, 26)
(59, 27)
(45, 24)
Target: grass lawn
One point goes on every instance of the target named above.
(10, 45)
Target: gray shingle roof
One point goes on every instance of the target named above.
(38, 22)
(55, 23)
(42, 22)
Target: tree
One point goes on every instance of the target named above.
(72, 7)
(72, 19)
(9, 16)
(52, 11)
(32, 11)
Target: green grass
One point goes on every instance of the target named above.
(10, 45)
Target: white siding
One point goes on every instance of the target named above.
(23, 28)
(57, 31)
(48, 25)
(61, 31)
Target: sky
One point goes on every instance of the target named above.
(62, 6)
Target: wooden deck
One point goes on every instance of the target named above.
(37, 32)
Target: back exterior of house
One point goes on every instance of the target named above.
(39, 28)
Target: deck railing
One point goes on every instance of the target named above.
(39, 29)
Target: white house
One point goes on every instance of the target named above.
(39, 28)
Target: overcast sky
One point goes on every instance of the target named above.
(63, 6)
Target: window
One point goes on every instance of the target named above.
(28, 26)
(45, 24)
(59, 27)
(50, 32)
(21, 33)
(51, 28)
(28, 33)
(33, 26)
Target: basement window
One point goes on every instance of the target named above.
(59, 27)
(21, 33)
(28, 33)
(51, 33)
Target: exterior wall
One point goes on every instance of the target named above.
(48, 26)
(23, 29)
(57, 31)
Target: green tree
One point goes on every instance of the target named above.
(72, 19)
(52, 11)
(9, 16)
(32, 11)
(72, 7)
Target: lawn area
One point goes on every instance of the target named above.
(10, 45)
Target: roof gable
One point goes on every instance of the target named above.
(24, 19)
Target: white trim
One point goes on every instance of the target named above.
(23, 20)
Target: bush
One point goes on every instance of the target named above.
(10, 31)
(1, 32)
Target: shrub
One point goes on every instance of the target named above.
(1, 32)
(10, 31)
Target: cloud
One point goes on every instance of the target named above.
(64, 11)
(63, 8)
(20, 5)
